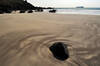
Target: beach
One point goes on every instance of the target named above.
(25, 39)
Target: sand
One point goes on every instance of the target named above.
(25, 39)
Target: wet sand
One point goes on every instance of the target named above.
(25, 39)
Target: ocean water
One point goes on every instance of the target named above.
(85, 11)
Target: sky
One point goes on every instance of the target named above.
(65, 3)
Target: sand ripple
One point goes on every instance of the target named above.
(30, 48)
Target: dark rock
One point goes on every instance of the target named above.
(52, 11)
(60, 51)
(30, 11)
(1, 11)
(22, 11)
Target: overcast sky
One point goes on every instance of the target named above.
(65, 3)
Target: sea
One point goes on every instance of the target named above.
(85, 11)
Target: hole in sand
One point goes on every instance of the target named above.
(60, 51)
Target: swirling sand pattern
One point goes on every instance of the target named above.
(31, 47)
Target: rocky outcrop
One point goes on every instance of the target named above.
(15, 5)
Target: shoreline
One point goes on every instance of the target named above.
(49, 13)
(80, 14)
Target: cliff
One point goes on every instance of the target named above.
(15, 5)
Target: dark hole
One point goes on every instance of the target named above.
(60, 51)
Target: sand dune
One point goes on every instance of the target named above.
(25, 39)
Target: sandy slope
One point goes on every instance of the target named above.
(25, 39)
